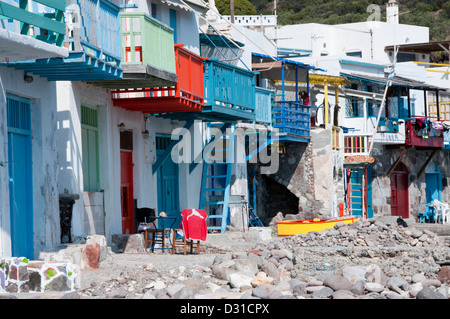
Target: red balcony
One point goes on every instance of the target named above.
(420, 132)
(187, 95)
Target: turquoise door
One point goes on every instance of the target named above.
(20, 176)
(433, 184)
(168, 182)
(360, 192)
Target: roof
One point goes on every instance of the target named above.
(267, 58)
(185, 4)
(397, 81)
(426, 47)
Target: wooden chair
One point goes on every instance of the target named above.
(193, 229)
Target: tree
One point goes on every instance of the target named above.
(241, 7)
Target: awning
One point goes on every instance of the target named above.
(397, 81)
(426, 47)
(194, 4)
(266, 60)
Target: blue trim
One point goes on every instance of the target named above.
(292, 62)
(367, 64)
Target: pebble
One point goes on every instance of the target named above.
(364, 260)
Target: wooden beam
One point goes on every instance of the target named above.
(266, 65)
(396, 162)
(426, 163)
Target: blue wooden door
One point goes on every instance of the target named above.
(168, 182)
(20, 176)
(433, 187)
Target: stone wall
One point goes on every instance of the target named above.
(414, 160)
(291, 190)
(21, 275)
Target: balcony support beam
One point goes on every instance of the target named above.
(397, 161)
(426, 163)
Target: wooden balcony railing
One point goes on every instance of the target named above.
(421, 131)
(94, 28)
(263, 106)
(185, 96)
(27, 19)
(292, 118)
(146, 41)
(356, 144)
(229, 91)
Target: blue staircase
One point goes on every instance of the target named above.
(218, 158)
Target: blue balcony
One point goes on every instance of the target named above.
(229, 92)
(93, 40)
(263, 106)
(293, 121)
(290, 113)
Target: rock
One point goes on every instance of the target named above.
(246, 265)
(431, 282)
(444, 274)
(418, 277)
(325, 292)
(343, 294)
(337, 282)
(429, 293)
(354, 273)
(238, 280)
(358, 287)
(281, 253)
(270, 269)
(173, 289)
(373, 287)
(375, 274)
(260, 293)
(221, 272)
(397, 282)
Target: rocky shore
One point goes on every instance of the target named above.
(365, 260)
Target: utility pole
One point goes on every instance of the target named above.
(232, 10)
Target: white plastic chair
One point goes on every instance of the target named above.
(442, 211)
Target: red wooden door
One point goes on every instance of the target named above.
(399, 191)
(126, 191)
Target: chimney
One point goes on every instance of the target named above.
(392, 12)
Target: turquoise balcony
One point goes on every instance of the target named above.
(93, 40)
(229, 92)
(27, 34)
(263, 106)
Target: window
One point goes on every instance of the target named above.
(89, 141)
(154, 10)
(173, 23)
(354, 107)
(356, 54)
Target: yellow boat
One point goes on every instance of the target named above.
(304, 226)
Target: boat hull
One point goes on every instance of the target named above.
(294, 227)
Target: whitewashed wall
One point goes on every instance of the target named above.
(42, 95)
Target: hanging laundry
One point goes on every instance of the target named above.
(419, 124)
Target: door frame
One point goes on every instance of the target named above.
(20, 126)
(159, 182)
(126, 149)
(432, 170)
(400, 171)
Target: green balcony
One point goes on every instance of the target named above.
(148, 57)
